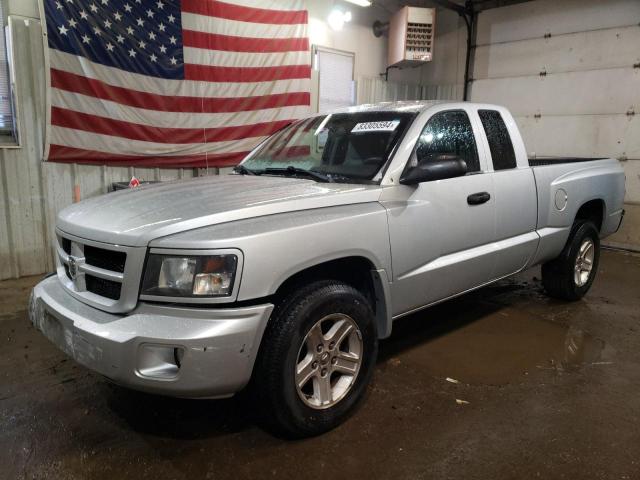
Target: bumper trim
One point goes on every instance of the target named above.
(219, 345)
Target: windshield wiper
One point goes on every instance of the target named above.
(242, 170)
(291, 170)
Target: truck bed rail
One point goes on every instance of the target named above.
(536, 162)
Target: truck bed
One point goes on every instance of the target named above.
(578, 180)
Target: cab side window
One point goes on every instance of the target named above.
(447, 133)
(502, 153)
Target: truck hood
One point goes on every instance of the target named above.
(135, 217)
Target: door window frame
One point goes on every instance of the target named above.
(514, 134)
(488, 145)
(399, 163)
(473, 118)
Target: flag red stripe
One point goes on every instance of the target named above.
(293, 151)
(210, 73)
(61, 153)
(214, 8)
(117, 128)
(214, 41)
(71, 82)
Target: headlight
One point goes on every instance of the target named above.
(189, 276)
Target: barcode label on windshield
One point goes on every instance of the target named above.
(387, 126)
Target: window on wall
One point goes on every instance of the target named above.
(7, 123)
(502, 154)
(336, 85)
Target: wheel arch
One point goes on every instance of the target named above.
(355, 270)
(593, 210)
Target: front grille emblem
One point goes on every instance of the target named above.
(73, 267)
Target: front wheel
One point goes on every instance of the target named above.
(571, 275)
(316, 358)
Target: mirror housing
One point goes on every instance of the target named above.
(436, 167)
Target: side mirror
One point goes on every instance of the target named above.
(436, 167)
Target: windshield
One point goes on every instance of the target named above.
(344, 147)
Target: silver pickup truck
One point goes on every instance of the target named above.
(283, 276)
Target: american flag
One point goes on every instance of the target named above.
(173, 82)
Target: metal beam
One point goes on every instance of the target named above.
(448, 4)
(471, 21)
(480, 5)
(470, 17)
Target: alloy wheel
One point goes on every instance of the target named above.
(328, 361)
(584, 263)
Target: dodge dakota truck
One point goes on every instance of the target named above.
(280, 278)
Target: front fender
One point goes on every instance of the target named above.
(275, 247)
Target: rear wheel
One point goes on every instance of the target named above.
(316, 358)
(571, 274)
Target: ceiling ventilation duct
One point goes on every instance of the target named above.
(411, 34)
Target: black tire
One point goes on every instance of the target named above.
(558, 274)
(282, 411)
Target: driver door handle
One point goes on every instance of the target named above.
(478, 198)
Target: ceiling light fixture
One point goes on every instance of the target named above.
(360, 3)
(337, 18)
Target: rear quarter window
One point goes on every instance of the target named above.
(502, 153)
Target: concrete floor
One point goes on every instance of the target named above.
(553, 391)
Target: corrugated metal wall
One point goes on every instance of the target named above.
(22, 216)
(371, 90)
(32, 192)
(570, 73)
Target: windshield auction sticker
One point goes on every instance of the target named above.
(387, 126)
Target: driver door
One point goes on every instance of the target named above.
(441, 230)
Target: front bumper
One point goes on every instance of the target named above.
(183, 352)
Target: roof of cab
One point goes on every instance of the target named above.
(400, 106)
(412, 106)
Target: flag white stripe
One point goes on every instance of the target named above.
(218, 58)
(269, 4)
(123, 146)
(235, 28)
(116, 111)
(120, 78)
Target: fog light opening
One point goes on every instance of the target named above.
(159, 362)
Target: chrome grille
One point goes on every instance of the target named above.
(93, 269)
(100, 274)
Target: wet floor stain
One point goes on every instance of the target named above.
(482, 343)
